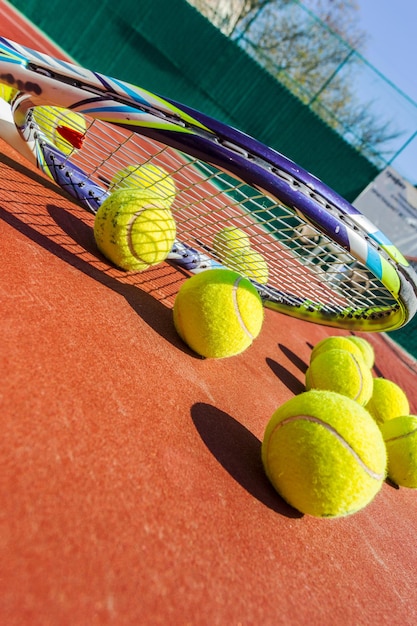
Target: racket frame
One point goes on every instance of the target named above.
(45, 80)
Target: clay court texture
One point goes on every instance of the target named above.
(132, 490)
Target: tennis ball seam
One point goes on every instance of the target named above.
(333, 431)
(237, 310)
(132, 221)
(358, 367)
(402, 436)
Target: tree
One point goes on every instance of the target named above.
(296, 44)
(231, 15)
(340, 16)
(313, 49)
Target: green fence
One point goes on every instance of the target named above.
(327, 74)
(168, 47)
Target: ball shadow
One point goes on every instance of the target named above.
(239, 453)
(377, 371)
(294, 358)
(290, 381)
(391, 483)
(154, 313)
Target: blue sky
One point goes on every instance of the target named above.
(391, 27)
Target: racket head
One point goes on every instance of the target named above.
(326, 262)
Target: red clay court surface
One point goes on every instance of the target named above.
(132, 491)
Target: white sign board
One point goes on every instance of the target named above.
(390, 202)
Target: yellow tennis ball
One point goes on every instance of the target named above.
(324, 454)
(249, 263)
(218, 313)
(387, 401)
(343, 372)
(7, 92)
(366, 348)
(63, 128)
(146, 176)
(332, 343)
(134, 229)
(229, 238)
(400, 436)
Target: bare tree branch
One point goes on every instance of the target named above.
(308, 47)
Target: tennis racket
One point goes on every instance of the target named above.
(326, 262)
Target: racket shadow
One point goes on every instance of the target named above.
(156, 314)
(147, 292)
(239, 453)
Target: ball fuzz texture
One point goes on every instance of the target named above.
(61, 127)
(249, 263)
(335, 343)
(147, 176)
(232, 246)
(7, 92)
(400, 436)
(367, 350)
(230, 238)
(324, 454)
(134, 229)
(218, 313)
(343, 372)
(388, 400)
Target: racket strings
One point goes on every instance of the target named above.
(303, 264)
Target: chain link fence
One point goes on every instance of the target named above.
(327, 75)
